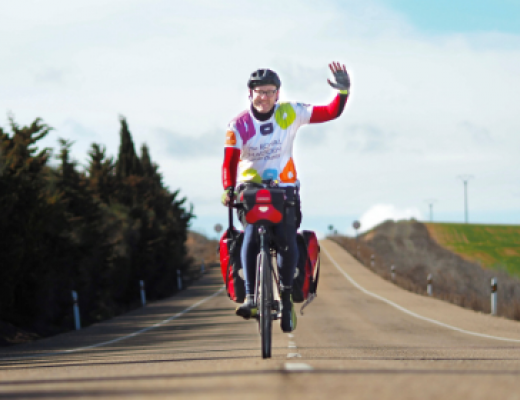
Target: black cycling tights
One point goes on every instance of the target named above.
(287, 260)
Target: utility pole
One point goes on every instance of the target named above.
(465, 179)
(431, 202)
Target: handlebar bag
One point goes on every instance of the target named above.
(308, 269)
(263, 206)
(231, 265)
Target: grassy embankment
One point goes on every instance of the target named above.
(492, 246)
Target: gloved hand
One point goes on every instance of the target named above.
(228, 196)
(341, 76)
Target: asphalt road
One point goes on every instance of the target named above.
(362, 338)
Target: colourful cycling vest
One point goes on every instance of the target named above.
(267, 146)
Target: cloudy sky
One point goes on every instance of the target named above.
(435, 95)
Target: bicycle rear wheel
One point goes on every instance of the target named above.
(264, 303)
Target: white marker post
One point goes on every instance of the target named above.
(392, 272)
(429, 285)
(179, 280)
(143, 293)
(372, 260)
(494, 296)
(76, 310)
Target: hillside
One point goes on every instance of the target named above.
(492, 246)
(415, 253)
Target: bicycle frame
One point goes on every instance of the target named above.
(264, 214)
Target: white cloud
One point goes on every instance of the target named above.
(423, 109)
(383, 212)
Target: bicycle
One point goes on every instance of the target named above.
(264, 207)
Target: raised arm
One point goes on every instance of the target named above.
(335, 108)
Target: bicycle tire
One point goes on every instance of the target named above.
(265, 300)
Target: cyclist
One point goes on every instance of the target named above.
(259, 143)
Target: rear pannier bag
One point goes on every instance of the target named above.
(308, 268)
(231, 265)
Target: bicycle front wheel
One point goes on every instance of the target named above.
(264, 303)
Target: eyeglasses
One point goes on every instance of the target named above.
(268, 93)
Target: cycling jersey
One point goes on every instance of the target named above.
(264, 149)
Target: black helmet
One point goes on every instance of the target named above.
(264, 77)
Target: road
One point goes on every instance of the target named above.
(362, 338)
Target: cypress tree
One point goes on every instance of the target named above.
(127, 162)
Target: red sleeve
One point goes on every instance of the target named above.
(329, 112)
(229, 167)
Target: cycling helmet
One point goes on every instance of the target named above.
(264, 76)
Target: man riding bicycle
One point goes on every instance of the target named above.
(259, 143)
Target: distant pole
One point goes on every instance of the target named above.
(143, 293)
(75, 307)
(494, 295)
(465, 179)
(179, 280)
(431, 202)
(392, 272)
(429, 285)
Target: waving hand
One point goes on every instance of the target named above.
(342, 80)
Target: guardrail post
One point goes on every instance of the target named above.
(494, 296)
(372, 260)
(143, 293)
(179, 280)
(429, 285)
(392, 272)
(75, 307)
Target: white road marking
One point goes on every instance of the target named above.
(294, 355)
(292, 345)
(406, 311)
(297, 367)
(158, 324)
(291, 335)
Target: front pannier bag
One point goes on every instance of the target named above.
(307, 272)
(231, 265)
(263, 206)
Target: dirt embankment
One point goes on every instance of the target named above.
(201, 249)
(408, 246)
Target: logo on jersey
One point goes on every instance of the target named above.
(267, 129)
(285, 115)
(288, 175)
(231, 139)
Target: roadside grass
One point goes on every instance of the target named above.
(492, 246)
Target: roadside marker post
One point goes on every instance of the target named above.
(75, 307)
(143, 293)
(179, 280)
(429, 285)
(392, 272)
(372, 260)
(494, 296)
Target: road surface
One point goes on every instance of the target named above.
(362, 338)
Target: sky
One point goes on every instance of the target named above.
(435, 96)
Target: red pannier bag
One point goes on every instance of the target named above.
(305, 283)
(231, 265)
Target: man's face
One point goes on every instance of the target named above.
(264, 97)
